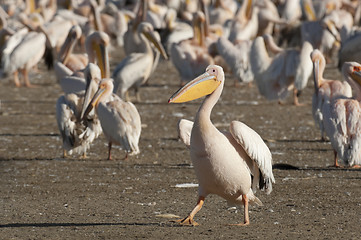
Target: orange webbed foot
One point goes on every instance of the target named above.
(187, 221)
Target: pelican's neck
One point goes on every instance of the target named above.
(356, 88)
(203, 116)
(272, 46)
(321, 69)
(106, 95)
(66, 50)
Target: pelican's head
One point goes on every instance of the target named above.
(105, 89)
(353, 70)
(147, 30)
(203, 85)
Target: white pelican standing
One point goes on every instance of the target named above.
(22, 52)
(224, 161)
(275, 76)
(77, 135)
(237, 57)
(325, 90)
(342, 120)
(120, 120)
(135, 69)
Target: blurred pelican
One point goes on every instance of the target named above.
(115, 22)
(69, 63)
(325, 90)
(57, 30)
(132, 42)
(350, 49)
(96, 48)
(77, 135)
(288, 69)
(244, 26)
(120, 120)
(322, 34)
(224, 161)
(268, 17)
(176, 31)
(191, 57)
(237, 58)
(22, 52)
(221, 11)
(342, 120)
(136, 68)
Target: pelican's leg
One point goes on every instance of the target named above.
(189, 220)
(16, 79)
(246, 216)
(296, 94)
(236, 83)
(323, 138)
(336, 162)
(127, 97)
(137, 94)
(83, 156)
(65, 154)
(109, 150)
(26, 78)
(356, 166)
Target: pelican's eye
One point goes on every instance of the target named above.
(357, 68)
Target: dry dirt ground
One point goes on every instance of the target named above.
(44, 196)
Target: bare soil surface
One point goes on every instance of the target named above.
(44, 196)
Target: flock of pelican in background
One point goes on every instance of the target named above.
(277, 44)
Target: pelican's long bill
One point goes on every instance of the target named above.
(356, 74)
(316, 70)
(94, 100)
(102, 56)
(201, 86)
(151, 37)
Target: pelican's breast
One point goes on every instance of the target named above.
(220, 169)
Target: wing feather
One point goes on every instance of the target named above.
(184, 131)
(256, 149)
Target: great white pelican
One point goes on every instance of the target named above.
(120, 120)
(276, 74)
(342, 120)
(78, 134)
(326, 90)
(223, 161)
(135, 69)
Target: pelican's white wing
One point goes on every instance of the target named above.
(256, 149)
(304, 68)
(237, 58)
(184, 131)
